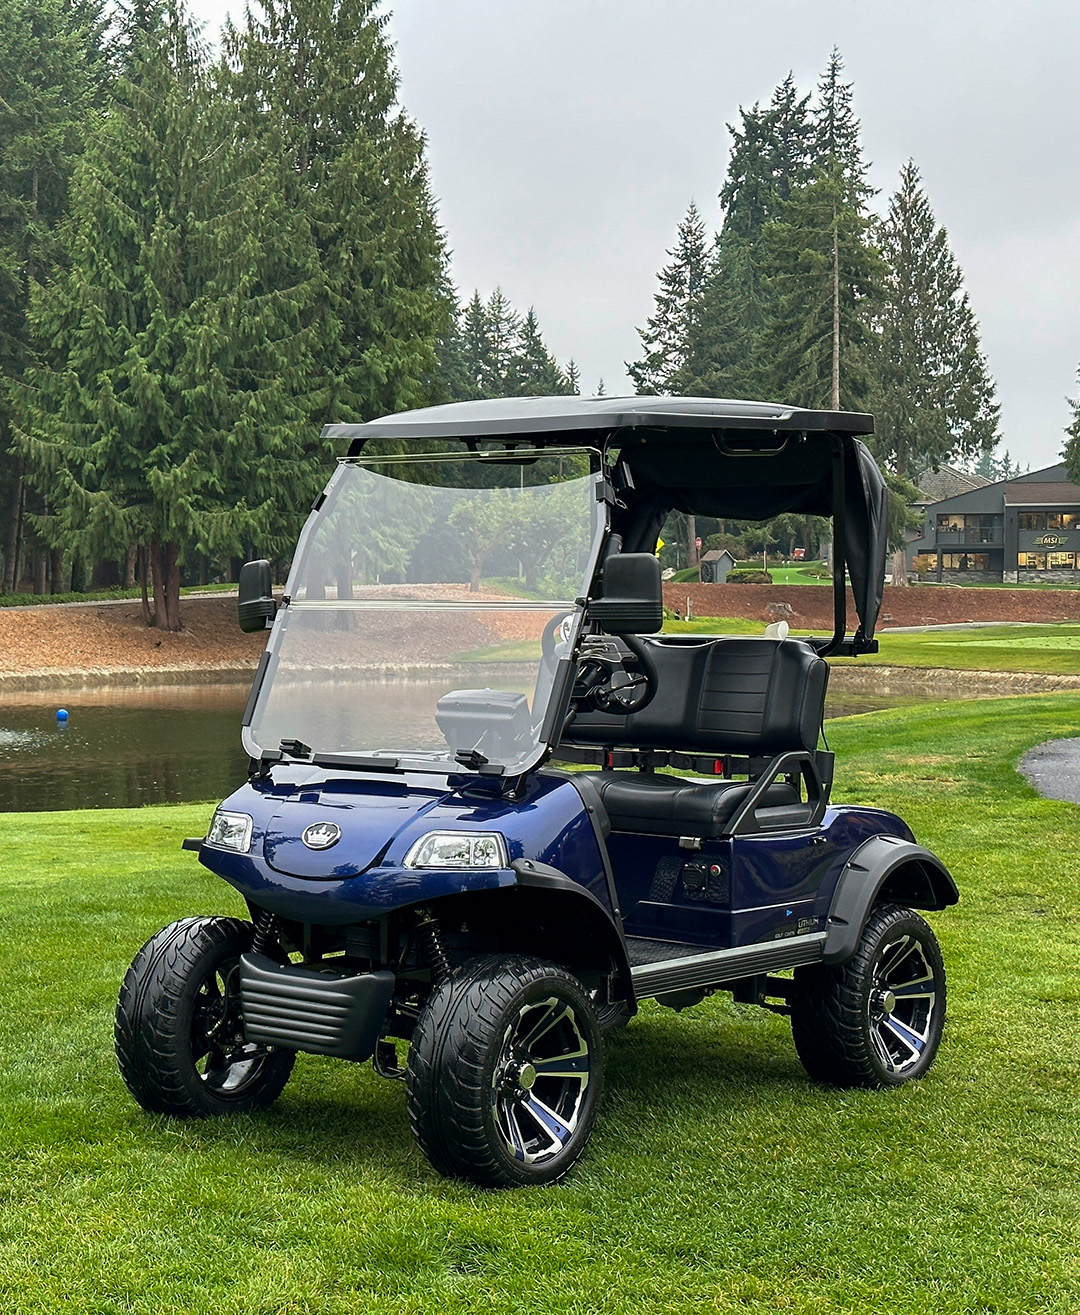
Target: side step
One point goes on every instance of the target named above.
(716, 966)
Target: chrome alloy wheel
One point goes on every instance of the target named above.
(539, 1080)
(902, 1001)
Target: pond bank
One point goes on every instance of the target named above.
(918, 682)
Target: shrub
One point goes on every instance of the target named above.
(743, 576)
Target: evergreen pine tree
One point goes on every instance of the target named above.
(493, 351)
(169, 399)
(666, 334)
(1071, 451)
(51, 72)
(935, 398)
(823, 268)
(319, 90)
(535, 372)
(770, 157)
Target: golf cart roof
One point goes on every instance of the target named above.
(562, 419)
(700, 455)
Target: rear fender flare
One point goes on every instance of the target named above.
(883, 868)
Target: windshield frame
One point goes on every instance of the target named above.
(558, 694)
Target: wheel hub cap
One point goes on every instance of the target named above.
(903, 1004)
(540, 1082)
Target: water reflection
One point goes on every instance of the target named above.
(120, 747)
(123, 747)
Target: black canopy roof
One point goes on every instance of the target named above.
(709, 456)
(568, 416)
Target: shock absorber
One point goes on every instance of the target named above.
(265, 940)
(428, 930)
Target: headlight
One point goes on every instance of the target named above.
(230, 831)
(458, 849)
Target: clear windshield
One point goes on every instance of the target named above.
(430, 602)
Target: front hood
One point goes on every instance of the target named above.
(368, 817)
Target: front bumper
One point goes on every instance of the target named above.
(321, 1012)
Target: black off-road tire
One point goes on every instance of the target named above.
(179, 1035)
(876, 1020)
(475, 1077)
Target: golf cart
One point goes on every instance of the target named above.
(491, 807)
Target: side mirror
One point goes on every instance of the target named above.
(255, 605)
(632, 601)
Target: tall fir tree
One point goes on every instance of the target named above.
(770, 157)
(166, 407)
(1071, 451)
(824, 268)
(536, 369)
(52, 71)
(935, 400)
(319, 90)
(493, 351)
(666, 335)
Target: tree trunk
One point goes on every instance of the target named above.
(835, 315)
(172, 587)
(899, 567)
(143, 569)
(41, 585)
(14, 536)
(129, 565)
(56, 570)
(157, 580)
(691, 540)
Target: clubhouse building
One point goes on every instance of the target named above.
(1018, 531)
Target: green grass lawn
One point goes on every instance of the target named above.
(719, 1178)
(1053, 649)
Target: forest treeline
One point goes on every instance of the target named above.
(206, 254)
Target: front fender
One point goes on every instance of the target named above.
(883, 867)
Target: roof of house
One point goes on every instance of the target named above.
(946, 482)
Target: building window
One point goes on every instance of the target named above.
(1047, 561)
(1061, 520)
(965, 561)
(1031, 520)
(976, 527)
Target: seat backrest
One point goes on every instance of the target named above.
(745, 696)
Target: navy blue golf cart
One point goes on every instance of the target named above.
(491, 807)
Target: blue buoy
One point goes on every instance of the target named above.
(61, 714)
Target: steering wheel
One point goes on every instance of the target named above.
(555, 640)
(610, 681)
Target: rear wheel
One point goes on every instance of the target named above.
(505, 1072)
(179, 1032)
(876, 1020)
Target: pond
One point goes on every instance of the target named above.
(126, 746)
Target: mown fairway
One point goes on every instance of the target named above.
(1049, 649)
(719, 1178)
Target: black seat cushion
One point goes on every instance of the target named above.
(743, 696)
(669, 805)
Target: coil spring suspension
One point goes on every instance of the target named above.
(265, 939)
(428, 930)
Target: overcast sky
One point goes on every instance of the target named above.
(566, 139)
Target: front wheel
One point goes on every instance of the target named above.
(179, 1033)
(505, 1072)
(876, 1020)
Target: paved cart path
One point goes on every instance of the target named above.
(1054, 769)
